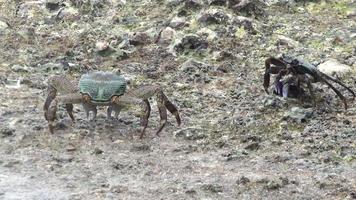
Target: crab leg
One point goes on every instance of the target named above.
(340, 83)
(279, 65)
(51, 108)
(144, 105)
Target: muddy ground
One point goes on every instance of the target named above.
(235, 141)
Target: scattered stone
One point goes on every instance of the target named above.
(65, 158)
(20, 68)
(193, 4)
(243, 180)
(298, 114)
(213, 16)
(217, 2)
(284, 40)
(190, 42)
(273, 185)
(53, 5)
(167, 35)
(143, 147)
(139, 38)
(190, 133)
(6, 132)
(11, 163)
(178, 22)
(71, 147)
(51, 67)
(101, 46)
(332, 66)
(97, 151)
(195, 71)
(213, 188)
(3, 26)
(253, 146)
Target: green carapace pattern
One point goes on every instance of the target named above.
(101, 86)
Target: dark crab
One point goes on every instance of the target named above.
(105, 89)
(292, 72)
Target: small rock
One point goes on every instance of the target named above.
(217, 2)
(69, 14)
(51, 67)
(213, 16)
(273, 185)
(243, 181)
(284, 40)
(178, 22)
(253, 146)
(97, 151)
(190, 133)
(64, 158)
(19, 68)
(213, 188)
(6, 132)
(190, 42)
(193, 4)
(167, 35)
(139, 38)
(332, 66)
(101, 45)
(299, 114)
(53, 5)
(3, 26)
(71, 148)
(11, 163)
(143, 147)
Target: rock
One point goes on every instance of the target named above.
(207, 33)
(273, 185)
(6, 132)
(194, 71)
(243, 180)
(65, 158)
(118, 3)
(284, 40)
(173, 2)
(253, 146)
(139, 38)
(213, 16)
(178, 22)
(212, 188)
(193, 4)
(141, 147)
(190, 42)
(222, 55)
(30, 9)
(167, 35)
(20, 68)
(217, 2)
(248, 7)
(245, 22)
(98, 151)
(101, 46)
(51, 67)
(3, 26)
(299, 114)
(190, 133)
(53, 5)
(68, 14)
(332, 66)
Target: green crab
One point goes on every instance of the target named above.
(105, 89)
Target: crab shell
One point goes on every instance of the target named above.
(102, 86)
